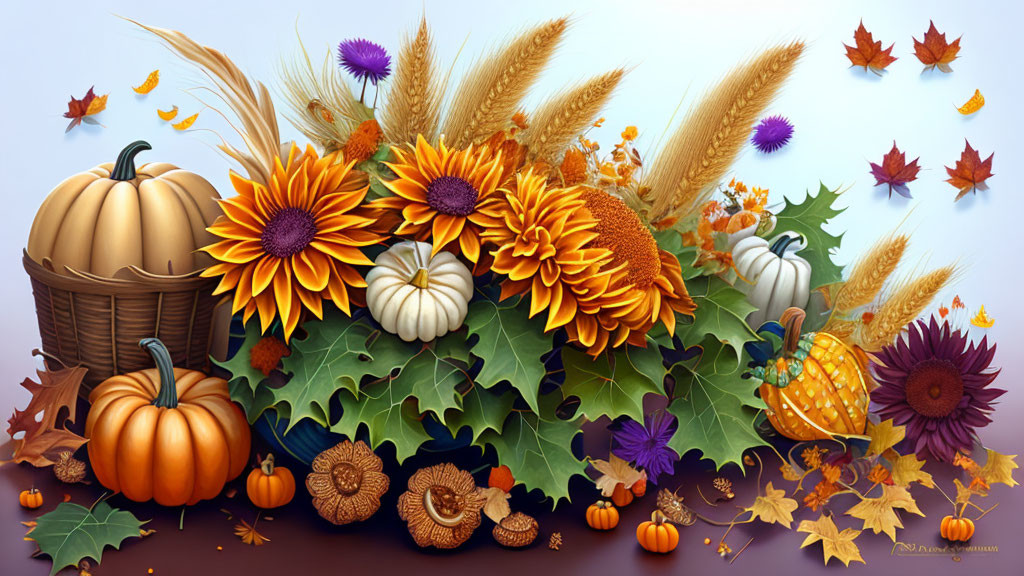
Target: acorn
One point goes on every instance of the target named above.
(516, 530)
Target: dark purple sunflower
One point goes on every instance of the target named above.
(647, 446)
(364, 59)
(936, 383)
(772, 133)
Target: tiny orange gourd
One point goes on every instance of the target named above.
(621, 496)
(602, 515)
(501, 477)
(956, 529)
(270, 486)
(639, 488)
(31, 498)
(657, 534)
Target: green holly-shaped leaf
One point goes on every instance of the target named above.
(809, 218)
(72, 532)
(482, 409)
(240, 365)
(510, 344)
(537, 448)
(715, 406)
(434, 374)
(253, 402)
(721, 312)
(615, 382)
(390, 415)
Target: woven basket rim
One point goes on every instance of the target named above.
(143, 282)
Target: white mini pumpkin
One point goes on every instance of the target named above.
(416, 296)
(776, 278)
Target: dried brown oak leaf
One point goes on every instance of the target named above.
(43, 437)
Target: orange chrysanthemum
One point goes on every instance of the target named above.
(293, 242)
(542, 236)
(439, 193)
(363, 142)
(574, 167)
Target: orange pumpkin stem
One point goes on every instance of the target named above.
(167, 396)
(267, 465)
(792, 320)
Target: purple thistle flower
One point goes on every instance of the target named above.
(936, 383)
(364, 59)
(647, 446)
(772, 133)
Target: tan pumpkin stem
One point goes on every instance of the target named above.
(267, 465)
(792, 320)
(658, 517)
(421, 278)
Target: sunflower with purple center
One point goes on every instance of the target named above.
(647, 445)
(936, 383)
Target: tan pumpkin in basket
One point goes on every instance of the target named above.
(114, 216)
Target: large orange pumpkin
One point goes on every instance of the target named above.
(815, 387)
(166, 434)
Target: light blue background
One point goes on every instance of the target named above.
(843, 117)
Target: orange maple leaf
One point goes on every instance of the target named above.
(970, 172)
(934, 51)
(868, 53)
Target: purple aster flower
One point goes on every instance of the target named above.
(364, 59)
(647, 446)
(936, 383)
(772, 133)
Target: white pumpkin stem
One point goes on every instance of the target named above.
(421, 278)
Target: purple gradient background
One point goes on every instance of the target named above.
(843, 119)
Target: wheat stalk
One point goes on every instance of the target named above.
(491, 91)
(562, 118)
(870, 273)
(253, 108)
(905, 304)
(701, 150)
(413, 103)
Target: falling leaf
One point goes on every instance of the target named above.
(934, 51)
(151, 81)
(895, 172)
(868, 53)
(943, 311)
(964, 493)
(970, 172)
(884, 436)
(53, 404)
(790, 473)
(614, 471)
(80, 110)
(773, 507)
(973, 105)
(186, 123)
(834, 544)
(982, 319)
(879, 514)
(168, 115)
(999, 468)
(907, 469)
(249, 535)
(495, 503)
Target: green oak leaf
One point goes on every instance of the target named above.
(511, 346)
(537, 448)
(721, 312)
(716, 408)
(482, 409)
(72, 532)
(614, 383)
(809, 218)
(239, 365)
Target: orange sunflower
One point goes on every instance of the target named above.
(440, 194)
(542, 237)
(293, 242)
(652, 281)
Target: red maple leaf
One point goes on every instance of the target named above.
(869, 53)
(77, 109)
(970, 172)
(934, 51)
(895, 172)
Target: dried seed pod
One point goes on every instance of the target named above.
(516, 530)
(68, 469)
(347, 482)
(442, 506)
(555, 542)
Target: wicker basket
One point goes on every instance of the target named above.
(98, 322)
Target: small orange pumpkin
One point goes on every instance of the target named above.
(270, 486)
(657, 534)
(815, 387)
(601, 515)
(31, 498)
(639, 488)
(956, 529)
(166, 434)
(621, 496)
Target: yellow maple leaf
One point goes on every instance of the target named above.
(879, 514)
(834, 544)
(773, 507)
(790, 473)
(167, 115)
(982, 319)
(247, 532)
(973, 104)
(884, 436)
(151, 81)
(964, 493)
(614, 471)
(186, 123)
(98, 104)
(907, 469)
(999, 468)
